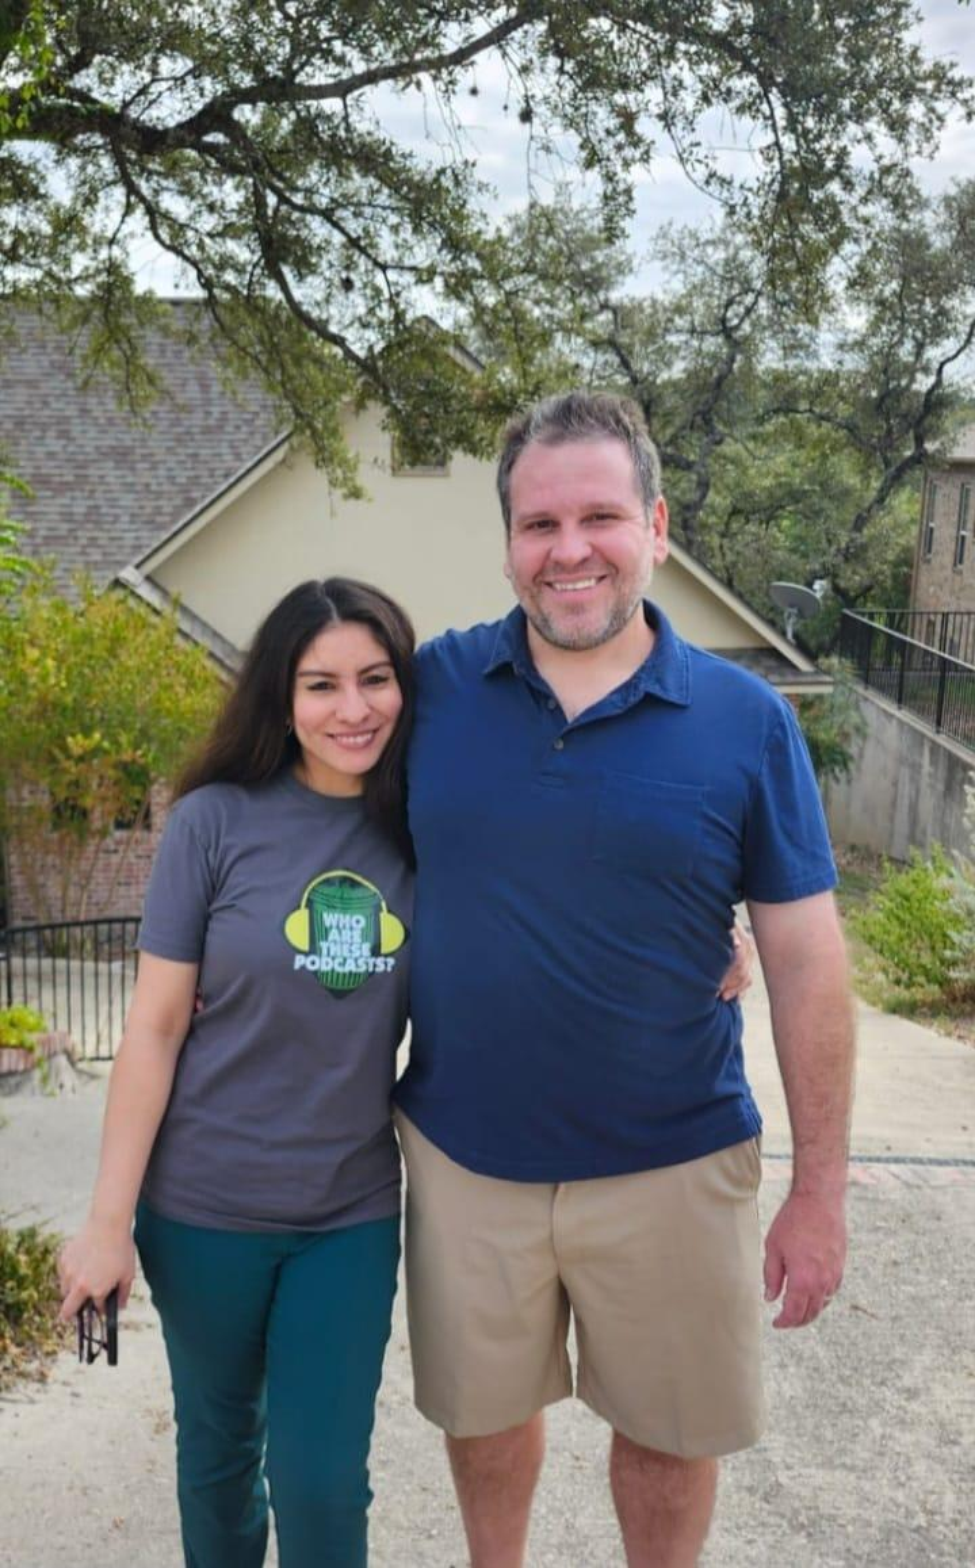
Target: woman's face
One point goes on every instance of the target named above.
(344, 707)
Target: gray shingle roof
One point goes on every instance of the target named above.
(775, 668)
(107, 486)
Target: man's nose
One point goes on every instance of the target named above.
(570, 546)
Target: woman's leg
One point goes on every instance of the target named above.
(327, 1335)
(213, 1291)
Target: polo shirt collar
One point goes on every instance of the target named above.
(665, 673)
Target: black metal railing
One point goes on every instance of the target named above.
(935, 688)
(951, 632)
(78, 973)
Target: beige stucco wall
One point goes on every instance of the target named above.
(435, 543)
(698, 613)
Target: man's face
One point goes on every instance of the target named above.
(582, 549)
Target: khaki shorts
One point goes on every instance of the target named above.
(661, 1272)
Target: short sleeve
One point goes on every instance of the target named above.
(180, 892)
(787, 852)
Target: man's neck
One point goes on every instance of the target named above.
(582, 677)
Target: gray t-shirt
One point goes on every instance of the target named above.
(297, 910)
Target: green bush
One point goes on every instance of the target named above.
(29, 1300)
(915, 925)
(833, 726)
(19, 1027)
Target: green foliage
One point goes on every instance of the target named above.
(29, 1300)
(312, 170)
(19, 1027)
(914, 924)
(962, 887)
(15, 567)
(27, 55)
(99, 700)
(833, 726)
(794, 414)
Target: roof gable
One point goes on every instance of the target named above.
(106, 485)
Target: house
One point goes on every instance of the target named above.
(943, 584)
(210, 502)
(916, 669)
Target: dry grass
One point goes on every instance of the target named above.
(30, 1333)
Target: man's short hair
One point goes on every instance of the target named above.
(581, 416)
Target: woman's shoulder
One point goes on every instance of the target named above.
(212, 808)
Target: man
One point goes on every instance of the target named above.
(590, 797)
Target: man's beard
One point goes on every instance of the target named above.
(584, 638)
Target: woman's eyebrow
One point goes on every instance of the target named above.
(380, 664)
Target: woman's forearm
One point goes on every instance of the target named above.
(101, 1256)
(138, 1093)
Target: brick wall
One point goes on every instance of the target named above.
(129, 871)
(938, 583)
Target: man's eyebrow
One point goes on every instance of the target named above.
(380, 664)
(546, 512)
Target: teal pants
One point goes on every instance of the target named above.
(275, 1343)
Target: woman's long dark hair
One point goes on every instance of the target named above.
(251, 740)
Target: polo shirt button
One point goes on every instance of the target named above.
(551, 703)
(559, 745)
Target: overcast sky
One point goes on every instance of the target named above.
(664, 195)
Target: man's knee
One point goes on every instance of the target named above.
(673, 1479)
(500, 1459)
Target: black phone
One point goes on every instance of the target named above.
(98, 1331)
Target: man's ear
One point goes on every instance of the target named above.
(659, 522)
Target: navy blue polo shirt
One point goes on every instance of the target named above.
(575, 892)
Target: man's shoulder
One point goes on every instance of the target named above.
(714, 674)
(470, 649)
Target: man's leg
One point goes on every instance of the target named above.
(488, 1326)
(664, 1504)
(495, 1480)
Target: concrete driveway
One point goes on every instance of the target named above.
(871, 1449)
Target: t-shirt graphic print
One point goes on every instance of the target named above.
(343, 932)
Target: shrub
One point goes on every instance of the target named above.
(833, 726)
(962, 890)
(915, 925)
(29, 1300)
(19, 1027)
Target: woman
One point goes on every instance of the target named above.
(249, 1137)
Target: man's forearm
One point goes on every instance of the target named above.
(813, 1028)
(814, 1041)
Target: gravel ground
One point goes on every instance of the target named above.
(871, 1445)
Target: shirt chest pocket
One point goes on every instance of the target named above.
(648, 827)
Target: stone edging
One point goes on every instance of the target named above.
(57, 1043)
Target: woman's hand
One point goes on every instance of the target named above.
(92, 1263)
(741, 970)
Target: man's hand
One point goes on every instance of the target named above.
(741, 969)
(805, 1251)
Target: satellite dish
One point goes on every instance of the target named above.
(797, 602)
